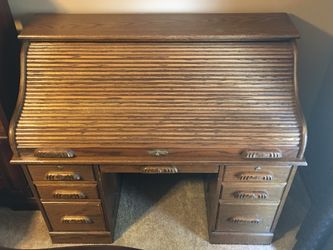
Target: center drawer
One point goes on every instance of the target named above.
(75, 216)
(161, 168)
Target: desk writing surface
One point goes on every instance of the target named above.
(163, 27)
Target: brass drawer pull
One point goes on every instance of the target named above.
(62, 176)
(255, 195)
(68, 194)
(76, 220)
(255, 176)
(253, 154)
(54, 153)
(160, 170)
(244, 220)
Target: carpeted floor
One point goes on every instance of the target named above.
(156, 212)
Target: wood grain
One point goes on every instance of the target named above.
(80, 96)
(300, 114)
(230, 191)
(158, 94)
(66, 191)
(91, 210)
(279, 174)
(162, 27)
(244, 213)
(41, 172)
(109, 189)
(181, 168)
(83, 237)
(284, 196)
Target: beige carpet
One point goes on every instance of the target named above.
(155, 212)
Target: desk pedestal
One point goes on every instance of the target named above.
(79, 202)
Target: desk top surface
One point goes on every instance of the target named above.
(161, 27)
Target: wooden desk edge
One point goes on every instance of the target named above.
(105, 161)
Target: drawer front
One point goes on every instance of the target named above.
(61, 172)
(246, 218)
(262, 174)
(248, 192)
(75, 216)
(161, 168)
(70, 191)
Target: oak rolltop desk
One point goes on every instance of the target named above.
(102, 95)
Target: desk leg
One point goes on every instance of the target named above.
(212, 191)
(251, 219)
(109, 191)
(90, 218)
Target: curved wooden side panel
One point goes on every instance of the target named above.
(300, 115)
(20, 99)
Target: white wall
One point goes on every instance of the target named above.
(314, 19)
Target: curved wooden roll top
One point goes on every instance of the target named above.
(100, 99)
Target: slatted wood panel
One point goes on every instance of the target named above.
(124, 94)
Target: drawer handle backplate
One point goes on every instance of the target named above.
(254, 154)
(244, 220)
(76, 220)
(248, 176)
(62, 176)
(160, 170)
(255, 195)
(68, 194)
(54, 153)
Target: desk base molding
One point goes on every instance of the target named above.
(240, 238)
(81, 237)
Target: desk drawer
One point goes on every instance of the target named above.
(161, 168)
(75, 216)
(263, 174)
(61, 172)
(68, 191)
(246, 218)
(252, 192)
